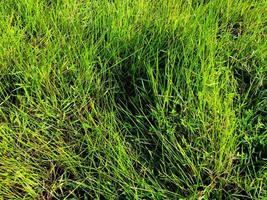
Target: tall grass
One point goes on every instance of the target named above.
(133, 99)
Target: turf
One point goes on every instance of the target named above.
(133, 99)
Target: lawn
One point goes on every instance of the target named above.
(133, 99)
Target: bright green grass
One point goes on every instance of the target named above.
(133, 99)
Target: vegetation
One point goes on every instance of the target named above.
(133, 99)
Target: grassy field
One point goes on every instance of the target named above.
(133, 99)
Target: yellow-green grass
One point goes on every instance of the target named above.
(133, 99)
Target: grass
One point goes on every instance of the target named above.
(133, 99)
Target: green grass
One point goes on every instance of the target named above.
(133, 99)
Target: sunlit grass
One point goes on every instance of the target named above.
(133, 99)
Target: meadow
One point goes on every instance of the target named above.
(133, 99)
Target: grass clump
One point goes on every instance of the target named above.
(133, 99)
